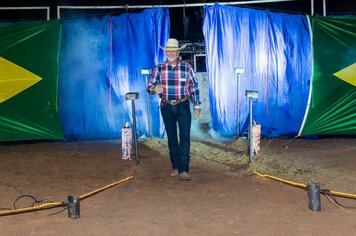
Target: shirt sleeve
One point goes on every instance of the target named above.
(194, 88)
(154, 81)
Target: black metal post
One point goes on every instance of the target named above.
(135, 131)
(238, 107)
(250, 134)
(251, 95)
(314, 196)
(148, 112)
(73, 207)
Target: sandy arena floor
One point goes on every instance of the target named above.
(224, 197)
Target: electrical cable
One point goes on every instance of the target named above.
(25, 195)
(333, 200)
(34, 208)
(56, 213)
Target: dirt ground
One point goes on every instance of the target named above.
(224, 197)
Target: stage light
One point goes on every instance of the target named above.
(251, 94)
(132, 96)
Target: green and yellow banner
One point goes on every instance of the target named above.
(29, 54)
(332, 106)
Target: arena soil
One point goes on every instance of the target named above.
(224, 197)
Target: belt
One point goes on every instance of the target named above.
(175, 102)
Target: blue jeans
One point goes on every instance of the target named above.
(178, 150)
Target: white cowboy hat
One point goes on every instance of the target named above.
(172, 45)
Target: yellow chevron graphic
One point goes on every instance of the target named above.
(348, 74)
(14, 79)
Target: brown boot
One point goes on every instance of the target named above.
(174, 173)
(185, 176)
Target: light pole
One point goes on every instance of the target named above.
(147, 72)
(238, 72)
(133, 96)
(251, 95)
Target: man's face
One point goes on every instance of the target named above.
(172, 55)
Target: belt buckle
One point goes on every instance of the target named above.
(174, 102)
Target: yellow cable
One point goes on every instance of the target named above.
(34, 208)
(341, 194)
(335, 193)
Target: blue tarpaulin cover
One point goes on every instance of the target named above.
(274, 49)
(101, 59)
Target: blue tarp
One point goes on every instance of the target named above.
(274, 49)
(100, 60)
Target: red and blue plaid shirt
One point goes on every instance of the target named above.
(177, 82)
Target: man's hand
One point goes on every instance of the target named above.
(196, 113)
(158, 89)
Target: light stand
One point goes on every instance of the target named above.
(238, 72)
(133, 96)
(147, 72)
(251, 95)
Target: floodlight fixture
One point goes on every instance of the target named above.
(132, 96)
(239, 70)
(145, 72)
(251, 94)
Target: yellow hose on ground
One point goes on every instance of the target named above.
(34, 208)
(56, 204)
(299, 185)
(341, 194)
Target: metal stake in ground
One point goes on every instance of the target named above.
(313, 190)
(73, 207)
(251, 95)
(133, 96)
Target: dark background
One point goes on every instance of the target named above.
(193, 27)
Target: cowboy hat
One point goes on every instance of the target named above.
(172, 45)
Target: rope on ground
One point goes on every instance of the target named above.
(286, 144)
(56, 204)
(334, 193)
(103, 188)
(299, 185)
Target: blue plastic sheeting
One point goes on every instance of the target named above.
(101, 60)
(274, 49)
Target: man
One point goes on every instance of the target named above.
(174, 80)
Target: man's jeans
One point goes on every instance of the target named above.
(178, 150)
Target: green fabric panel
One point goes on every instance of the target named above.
(33, 113)
(332, 107)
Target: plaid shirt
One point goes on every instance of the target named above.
(177, 82)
